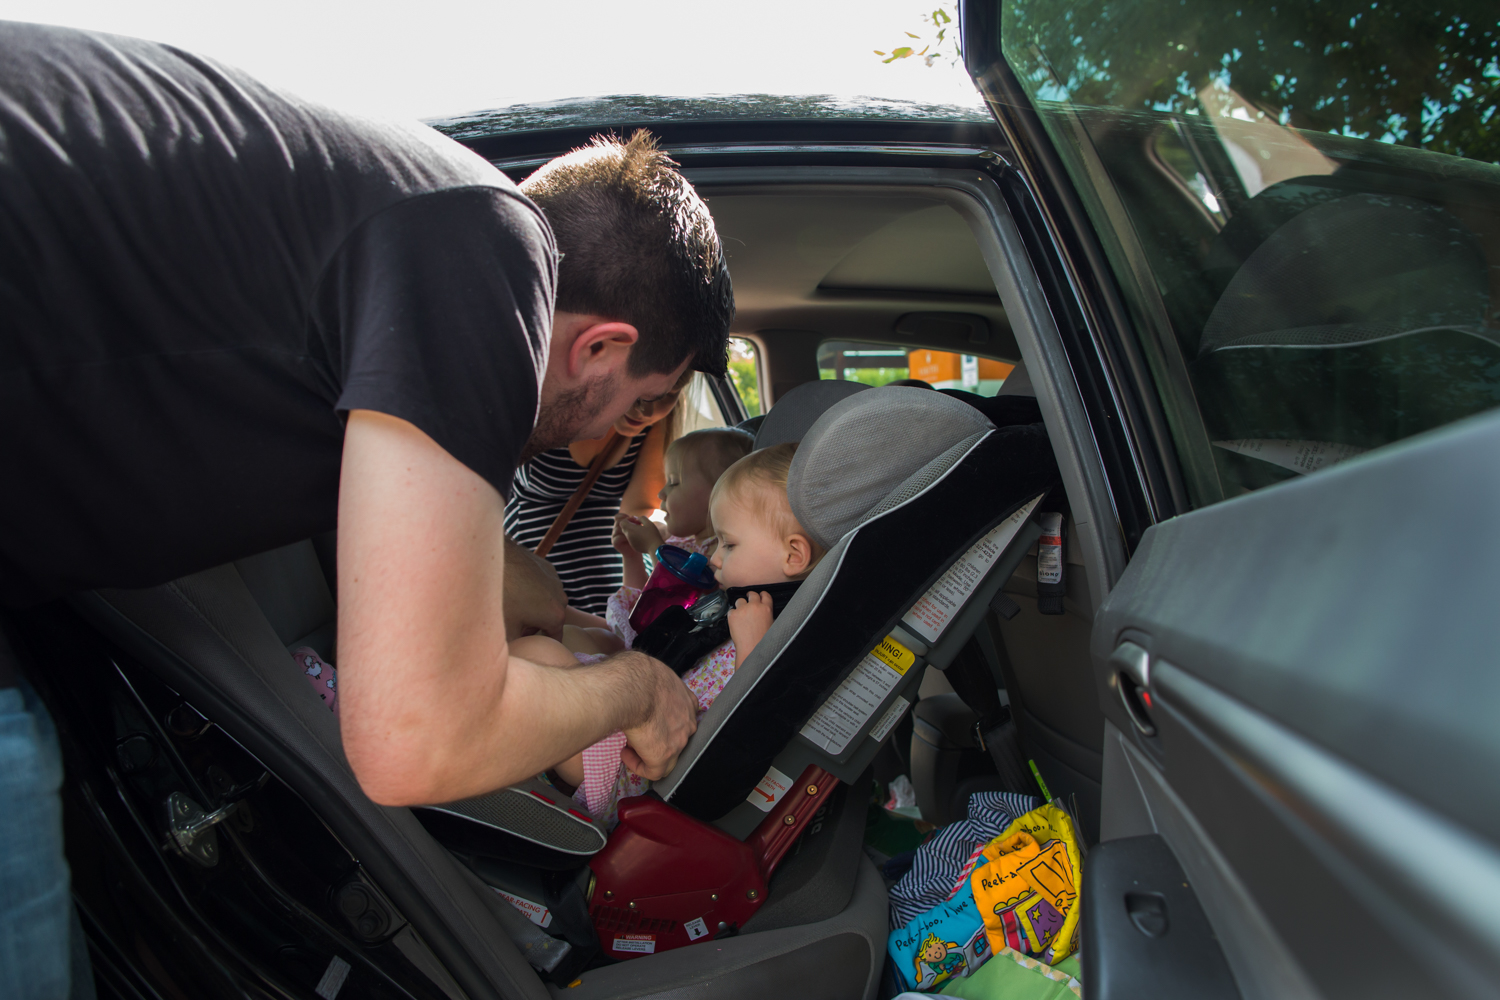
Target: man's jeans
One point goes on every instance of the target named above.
(42, 952)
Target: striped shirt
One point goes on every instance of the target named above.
(589, 565)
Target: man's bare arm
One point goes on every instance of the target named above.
(432, 706)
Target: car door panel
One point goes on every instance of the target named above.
(1319, 674)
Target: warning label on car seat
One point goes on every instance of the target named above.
(932, 614)
(641, 944)
(843, 716)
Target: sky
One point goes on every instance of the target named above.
(432, 58)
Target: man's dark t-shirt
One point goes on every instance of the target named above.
(199, 277)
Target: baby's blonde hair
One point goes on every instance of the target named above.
(712, 450)
(759, 481)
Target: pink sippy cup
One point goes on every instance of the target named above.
(678, 580)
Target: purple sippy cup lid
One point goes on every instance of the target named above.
(689, 567)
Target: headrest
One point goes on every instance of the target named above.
(872, 449)
(1360, 268)
(799, 409)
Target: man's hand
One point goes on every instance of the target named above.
(535, 601)
(749, 621)
(652, 747)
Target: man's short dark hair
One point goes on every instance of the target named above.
(638, 245)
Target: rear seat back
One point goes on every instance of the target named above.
(291, 588)
(901, 484)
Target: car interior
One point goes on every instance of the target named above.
(903, 482)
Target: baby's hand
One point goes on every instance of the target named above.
(749, 621)
(634, 535)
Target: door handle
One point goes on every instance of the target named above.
(1132, 682)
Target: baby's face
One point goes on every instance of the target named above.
(685, 497)
(751, 550)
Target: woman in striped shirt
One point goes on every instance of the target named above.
(583, 555)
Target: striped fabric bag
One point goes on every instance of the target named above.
(943, 865)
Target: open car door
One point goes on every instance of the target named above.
(1284, 268)
(1301, 689)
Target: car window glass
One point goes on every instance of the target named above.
(1302, 206)
(697, 407)
(744, 373)
(882, 364)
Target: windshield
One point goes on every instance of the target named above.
(1301, 206)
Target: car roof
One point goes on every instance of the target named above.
(550, 127)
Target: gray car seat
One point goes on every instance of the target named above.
(901, 485)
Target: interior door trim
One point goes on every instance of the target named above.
(1138, 800)
(1398, 845)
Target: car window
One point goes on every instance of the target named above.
(882, 364)
(1302, 206)
(744, 373)
(698, 407)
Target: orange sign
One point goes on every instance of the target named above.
(947, 366)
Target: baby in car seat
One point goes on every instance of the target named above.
(760, 544)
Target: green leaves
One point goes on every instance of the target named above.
(940, 47)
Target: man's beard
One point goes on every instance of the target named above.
(559, 423)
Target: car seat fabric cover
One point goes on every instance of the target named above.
(795, 413)
(903, 481)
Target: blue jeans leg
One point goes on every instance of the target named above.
(36, 909)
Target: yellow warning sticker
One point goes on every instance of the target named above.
(894, 655)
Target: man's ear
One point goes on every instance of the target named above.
(596, 346)
(799, 556)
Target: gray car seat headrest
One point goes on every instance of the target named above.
(871, 450)
(799, 409)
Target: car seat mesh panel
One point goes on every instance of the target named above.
(928, 475)
(846, 466)
(882, 569)
(515, 812)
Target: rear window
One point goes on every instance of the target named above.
(882, 364)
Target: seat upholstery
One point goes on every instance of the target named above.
(206, 636)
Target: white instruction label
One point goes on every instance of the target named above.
(695, 928)
(640, 944)
(1298, 456)
(935, 610)
(843, 716)
(535, 912)
(769, 790)
(891, 716)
